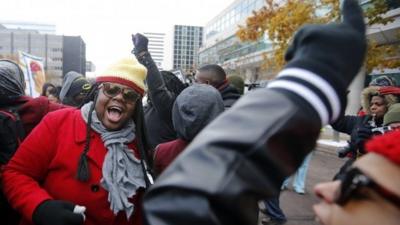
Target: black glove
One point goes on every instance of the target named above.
(140, 43)
(333, 52)
(56, 212)
(364, 133)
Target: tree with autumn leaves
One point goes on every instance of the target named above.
(279, 20)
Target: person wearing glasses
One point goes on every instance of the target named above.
(244, 155)
(369, 191)
(88, 165)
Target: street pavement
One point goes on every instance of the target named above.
(298, 208)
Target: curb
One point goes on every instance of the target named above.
(328, 149)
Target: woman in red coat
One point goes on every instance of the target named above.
(87, 165)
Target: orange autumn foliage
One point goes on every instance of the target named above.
(279, 21)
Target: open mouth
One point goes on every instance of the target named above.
(114, 113)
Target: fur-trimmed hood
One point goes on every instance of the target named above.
(368, 92)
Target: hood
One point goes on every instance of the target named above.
(229, 92)
(367, 94)
(194, 108)
(67, 81)
(12, 82)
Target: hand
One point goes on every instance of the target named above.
(334, 52)
(364, 133)
(58, 212)
(140, 43)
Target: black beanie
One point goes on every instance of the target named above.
(79, 85)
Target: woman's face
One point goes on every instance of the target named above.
(53, 98)
(49, 90)
(378, 106)
(369, 209)
(112, 108)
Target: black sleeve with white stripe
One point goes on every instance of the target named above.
(315, 90)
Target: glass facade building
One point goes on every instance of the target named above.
(187, 41)
(235, 13)
(221, 46)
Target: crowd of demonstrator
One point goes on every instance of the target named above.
(99, 153)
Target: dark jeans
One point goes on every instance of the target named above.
(273, 210)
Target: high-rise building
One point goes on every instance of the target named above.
(90, 67)
(187, 41)
(61, 54)
(156, 47)
(221, 46)
(74, 54)
(29, 26)
(387, 34)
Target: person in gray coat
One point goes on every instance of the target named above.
(193, 109)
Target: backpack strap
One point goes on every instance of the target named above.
(12, 112)
(11, 133)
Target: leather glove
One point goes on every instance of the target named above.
(364, 133)
(333, 52)
(56, 212)
(140, 43)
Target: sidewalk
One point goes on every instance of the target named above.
(329, 146)
(323, 165)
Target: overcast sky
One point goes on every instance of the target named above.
(106, 25)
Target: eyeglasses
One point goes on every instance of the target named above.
(112, 90)
(354, 180)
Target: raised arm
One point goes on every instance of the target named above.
(161, 98)
(244, 155)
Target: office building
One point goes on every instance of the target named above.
(156, 47)
(61, 54)
(29, 26)
(221, 46)
(187, 41)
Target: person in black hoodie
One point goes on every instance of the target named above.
(163, 88)
(215, 76)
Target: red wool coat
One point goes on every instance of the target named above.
(45, 167)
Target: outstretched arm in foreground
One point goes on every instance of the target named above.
(244, 155)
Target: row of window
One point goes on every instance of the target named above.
(192, 38)
(187, 52)
(184, 65)
(187, 29)
(240, 11)
(178, 46)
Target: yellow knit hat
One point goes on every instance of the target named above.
(127, 71)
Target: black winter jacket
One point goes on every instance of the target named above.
(158, 112)
(351, 124)
(227, 169)
(229, 95)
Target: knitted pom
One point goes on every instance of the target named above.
(387, 145)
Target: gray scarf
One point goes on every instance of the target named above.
(122, 171)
